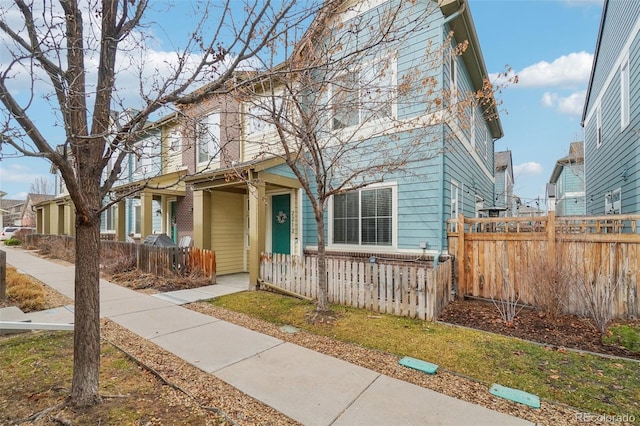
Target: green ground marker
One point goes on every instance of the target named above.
(417, 364)
(515, 395)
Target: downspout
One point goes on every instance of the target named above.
(441, 226)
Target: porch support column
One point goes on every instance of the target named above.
(146, 214)
(46, 227)
(257, 226)
(40, 221)
(70, 215)
(121, 222)
(202, 219)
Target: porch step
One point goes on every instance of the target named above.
(418, 364)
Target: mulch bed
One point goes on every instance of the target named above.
(566, 331)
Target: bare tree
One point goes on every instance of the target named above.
(331, 113)
(84, 60)
(41, 185)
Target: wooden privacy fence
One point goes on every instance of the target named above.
(602, 252)
(409, 291)
(160, 261)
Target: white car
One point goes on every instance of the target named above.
(8, 231)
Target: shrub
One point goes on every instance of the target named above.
(597, 293)
(548, 279)
(508, 303)
(13, 241)
(57, 248)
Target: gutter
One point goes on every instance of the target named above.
(455, 14)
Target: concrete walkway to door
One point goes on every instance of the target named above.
(312, 388)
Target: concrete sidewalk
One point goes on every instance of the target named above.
(310, 387)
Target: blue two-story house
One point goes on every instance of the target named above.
(611, 115)
(567, 182)
(415, 88)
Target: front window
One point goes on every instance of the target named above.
(208, 128)
(363, 95)
(364, 217)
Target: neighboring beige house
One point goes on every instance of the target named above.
(27, 210)
(156, 199)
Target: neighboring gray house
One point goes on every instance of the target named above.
(503, 188)
(567, 179)
(611, 115)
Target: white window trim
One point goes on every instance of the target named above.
(365, 247)
(472, 135)
(625, 104)
(453, 80)
(455, 195)
(393, 89)
(200, 122)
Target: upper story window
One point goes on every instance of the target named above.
(624, 94)
(259, 114)
(364, 217)
(363, 95)
(174, 141)
(453, 80)
(147, 155)
(208, 137)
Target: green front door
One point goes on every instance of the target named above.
(281, 224)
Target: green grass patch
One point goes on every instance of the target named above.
(584, 381)
(36, 371)
(625, 335)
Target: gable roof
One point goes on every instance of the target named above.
(575, 156)
(595, 61)
(461, 23)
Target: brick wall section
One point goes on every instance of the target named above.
(230, 134)
(401, 259)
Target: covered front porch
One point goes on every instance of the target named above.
(244, 211)
(152, 209)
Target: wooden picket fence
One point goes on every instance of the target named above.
(402, 290)
(160, 261)
(604, 250)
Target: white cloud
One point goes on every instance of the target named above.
(566, 71)
(17, 173)
(529, 168)
(568, 105)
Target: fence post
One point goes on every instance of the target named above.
(460, 257)
(3, 275)
(551, 235)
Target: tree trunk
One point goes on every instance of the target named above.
(86, 348)
(323, 287)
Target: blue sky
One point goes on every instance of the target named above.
(549, 44)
